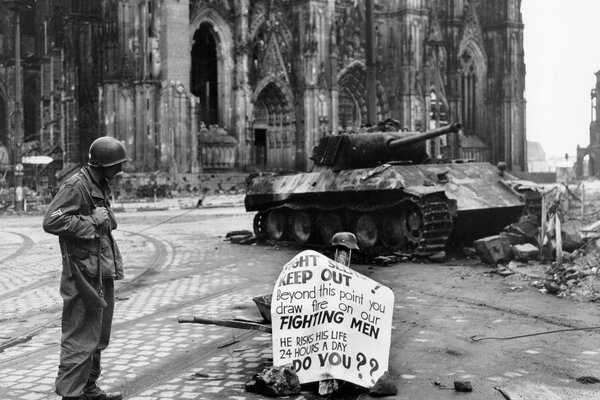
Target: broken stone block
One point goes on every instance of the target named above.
(463, 386)
(524, 228)
(514, 238)
(525, 252)
(493, 249)
(571, 237)
(384, 386)
(275, 382)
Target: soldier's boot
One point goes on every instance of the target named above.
(93, 392)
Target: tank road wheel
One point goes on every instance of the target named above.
(330, 223)
(259, 225)
(366, 230)
(275, 224)
(393, 236)
(412, 222)
(301, 226)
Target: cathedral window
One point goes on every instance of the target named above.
(349, 116)
(468, 85)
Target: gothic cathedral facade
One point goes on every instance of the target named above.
(198, 85)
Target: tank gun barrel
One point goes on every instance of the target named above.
(394, 144)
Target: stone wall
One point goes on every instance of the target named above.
(143, 185)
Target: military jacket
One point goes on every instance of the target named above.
(69, 216)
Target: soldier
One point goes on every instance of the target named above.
(80, 215)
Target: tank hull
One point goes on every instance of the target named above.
(467, 200)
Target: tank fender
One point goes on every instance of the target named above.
(420, 191)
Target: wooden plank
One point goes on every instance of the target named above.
(231, 323)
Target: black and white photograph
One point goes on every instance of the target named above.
(301, 199)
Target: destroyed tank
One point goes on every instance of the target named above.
(383, 187)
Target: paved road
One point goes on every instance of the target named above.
(179, 264)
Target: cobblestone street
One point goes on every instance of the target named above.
(178, 263)
(183, 273)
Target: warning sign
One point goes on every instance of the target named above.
(330, 322)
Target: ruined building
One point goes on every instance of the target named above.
(592, 151)
(209, 85)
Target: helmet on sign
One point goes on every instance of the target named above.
(344, 239)
(107, 151)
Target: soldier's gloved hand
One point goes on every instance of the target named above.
(100, 215)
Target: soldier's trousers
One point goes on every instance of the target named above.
(85, 333)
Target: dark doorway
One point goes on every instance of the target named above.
(205, 74)
(260, 147)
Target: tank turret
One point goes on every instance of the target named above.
(367, 150)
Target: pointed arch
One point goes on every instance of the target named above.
(473, 77)
(273, 125)
(222, 35)
(472, 69)
(352, 107)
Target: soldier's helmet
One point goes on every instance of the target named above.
(344, 239)
(107, 151)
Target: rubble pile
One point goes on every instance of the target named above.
(569, 263)
(577, 278)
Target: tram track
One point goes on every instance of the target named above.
(26, 243)
(160, 313)
(162, 260)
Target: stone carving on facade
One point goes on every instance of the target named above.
(471, 31)
(224, 7)
(286, 59)
(217, 149)
(271, 45)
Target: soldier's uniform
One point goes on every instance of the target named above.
(89, 247)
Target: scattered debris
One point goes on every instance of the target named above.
(384, 386)
(504, 271)
(241, 237)
(385, 260)
(463, 386)
(438, 257)
(469, 252)
(263, 303)
(587, 380)
(206, 376)
(228, 344)
(275, 382)
(328, 386)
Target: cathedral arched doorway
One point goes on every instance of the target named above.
(204, 80)
(273, 128)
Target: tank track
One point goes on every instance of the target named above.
(436, 222)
